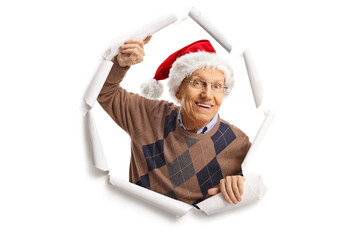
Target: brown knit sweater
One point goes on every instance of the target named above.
(164, 157)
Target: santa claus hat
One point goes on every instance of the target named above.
(182, 64)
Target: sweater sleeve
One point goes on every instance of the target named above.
(132, 112)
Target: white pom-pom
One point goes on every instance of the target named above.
(151, 89)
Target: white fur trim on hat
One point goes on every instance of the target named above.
(190, 62)
(151, 89)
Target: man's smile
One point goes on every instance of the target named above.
(204, 105)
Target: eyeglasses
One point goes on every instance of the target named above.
(201, 84)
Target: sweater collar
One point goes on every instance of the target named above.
(202, 130)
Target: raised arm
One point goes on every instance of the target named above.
(116, 101)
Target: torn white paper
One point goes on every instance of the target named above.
(254, 189)
(254, 78)
(207, 26)
(97, 82)
(168, 204)
(96, 147)
(141, 33)
(269, 117)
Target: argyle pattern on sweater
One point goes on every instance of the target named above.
(191, 172)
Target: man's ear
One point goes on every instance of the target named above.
(178, 95)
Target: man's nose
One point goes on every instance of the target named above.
(207, 92)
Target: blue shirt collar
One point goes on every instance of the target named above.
(204, 129)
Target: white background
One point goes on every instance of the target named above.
(307, 54)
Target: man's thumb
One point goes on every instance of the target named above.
(147, 39)
(214, 190)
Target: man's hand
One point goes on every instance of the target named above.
(231, 187)
(132, 52)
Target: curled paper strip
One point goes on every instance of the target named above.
(97, 82)
(98, 155)
(205, 24)
(254, 189)
(254, 78)
(168, 204)
(142, 33)
(269, 117)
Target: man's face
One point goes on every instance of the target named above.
(199, 106)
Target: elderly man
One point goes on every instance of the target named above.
(188, 153)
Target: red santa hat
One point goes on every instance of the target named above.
(182, 64)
